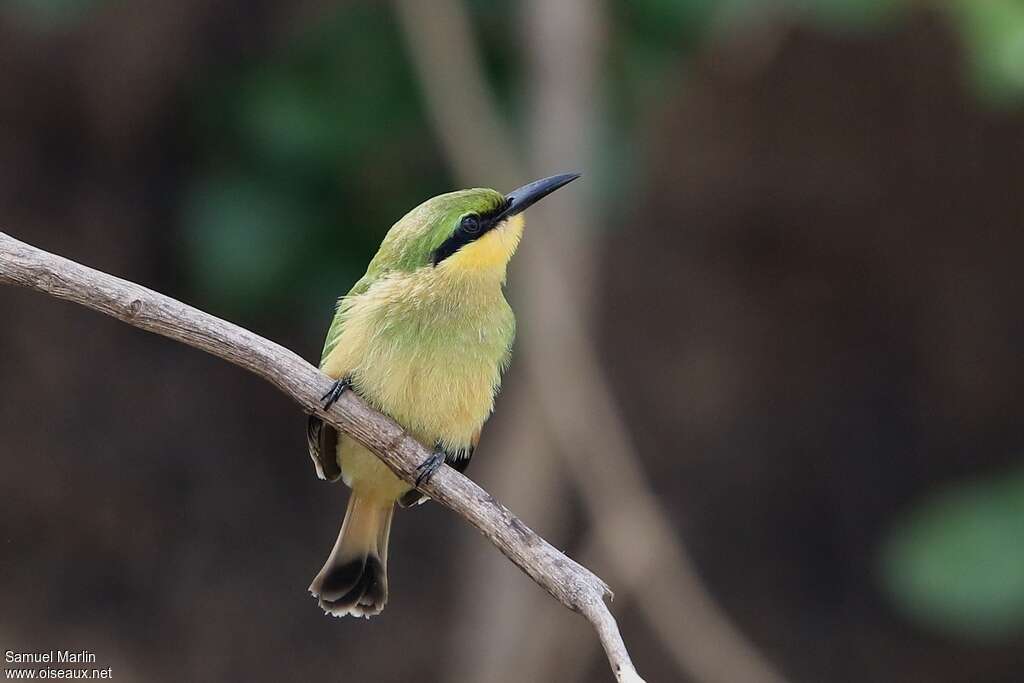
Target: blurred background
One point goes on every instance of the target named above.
(766, 384)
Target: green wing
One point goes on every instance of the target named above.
(385, 261)
(338, 322)
(323, 439)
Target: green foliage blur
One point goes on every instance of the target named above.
(310, 154)
(306, 160)
(956, 560)
(305, 155)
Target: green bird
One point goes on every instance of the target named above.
(424, 336)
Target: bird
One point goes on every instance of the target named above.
(424, 337)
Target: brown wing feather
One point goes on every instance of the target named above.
(322, 440)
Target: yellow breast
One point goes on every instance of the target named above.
(428, 351)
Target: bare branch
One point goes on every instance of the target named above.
(568, 582)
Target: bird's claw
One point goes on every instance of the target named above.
(428, 467)
(334, 393)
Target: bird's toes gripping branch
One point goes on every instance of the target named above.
(432, 464)
(334, 393)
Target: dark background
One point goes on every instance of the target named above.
(799, 258)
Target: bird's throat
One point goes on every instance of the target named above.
(490, 253)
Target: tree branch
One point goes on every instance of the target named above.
(567, 581)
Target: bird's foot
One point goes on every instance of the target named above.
(334, 393)
(428, 467)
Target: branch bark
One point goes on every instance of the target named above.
(567, 581)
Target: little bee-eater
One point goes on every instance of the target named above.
(423, 337)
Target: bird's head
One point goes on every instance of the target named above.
(469, 231)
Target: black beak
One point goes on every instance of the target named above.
(519, 199)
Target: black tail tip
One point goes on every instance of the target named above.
(358, 588)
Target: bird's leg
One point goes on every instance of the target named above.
(335, 392)
(428, 467)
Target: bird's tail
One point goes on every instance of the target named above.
(354, 580)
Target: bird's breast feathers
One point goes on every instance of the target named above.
(428, 348)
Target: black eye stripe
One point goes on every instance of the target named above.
(471, 227)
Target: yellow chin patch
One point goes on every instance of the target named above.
(491, 251)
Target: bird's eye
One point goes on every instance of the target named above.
(471, 224)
